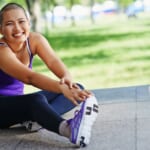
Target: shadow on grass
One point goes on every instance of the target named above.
(81, 40)
(87, 59)
(70, 40)
(79, 60)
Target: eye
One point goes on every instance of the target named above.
(22, 21)
(9, 23)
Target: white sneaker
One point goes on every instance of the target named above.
(31, 126)
(83, 121)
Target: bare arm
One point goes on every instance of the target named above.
(47, 54)
(53, 62)
(11, 65)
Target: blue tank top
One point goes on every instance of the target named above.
(10, 86)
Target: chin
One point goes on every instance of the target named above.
(21, 39)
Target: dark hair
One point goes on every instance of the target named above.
(10, 6)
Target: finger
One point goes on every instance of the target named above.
(76, 86)
(62, 81)
(87, 91)
(83, 98)
(79, 97)
(74, 102)
(70, 85)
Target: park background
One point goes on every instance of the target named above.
(104, 43)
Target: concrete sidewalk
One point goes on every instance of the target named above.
(123, 124)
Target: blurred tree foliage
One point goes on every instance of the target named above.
(37, 7)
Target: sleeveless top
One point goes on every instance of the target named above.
(10, 86)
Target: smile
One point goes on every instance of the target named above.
(17, 34)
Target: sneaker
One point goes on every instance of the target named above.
(82, 122)
(31, 126)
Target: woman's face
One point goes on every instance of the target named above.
(15, 26)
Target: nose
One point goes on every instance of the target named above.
(17, 27)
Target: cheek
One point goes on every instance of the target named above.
(7, 28)
(26, 27)
(6, 31)
(27, 30)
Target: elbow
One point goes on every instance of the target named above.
(28, 79)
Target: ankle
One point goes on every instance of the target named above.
(64, 129)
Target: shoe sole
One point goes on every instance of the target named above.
(90, 112)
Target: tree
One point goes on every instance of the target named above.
(72, 17)
(124, 3)
(35, 13)
(91, 5)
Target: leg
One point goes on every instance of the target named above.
(13, 110)
(58, 101)
(16, 109)
(44, 114)
(35, 107)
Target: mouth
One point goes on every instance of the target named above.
(18, 35)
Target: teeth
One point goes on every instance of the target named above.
(18, 34)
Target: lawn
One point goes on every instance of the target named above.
(111, 53)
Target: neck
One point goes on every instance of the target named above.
(16, 48)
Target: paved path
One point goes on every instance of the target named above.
(123, 124)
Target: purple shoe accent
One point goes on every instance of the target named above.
(75, 124)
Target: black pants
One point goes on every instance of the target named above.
(43, 107)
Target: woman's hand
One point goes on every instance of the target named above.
(75, 94)
(68, 81)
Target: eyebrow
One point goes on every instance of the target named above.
(17, 19)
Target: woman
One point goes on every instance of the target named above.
(17, 47)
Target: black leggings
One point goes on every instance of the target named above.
(42, 107)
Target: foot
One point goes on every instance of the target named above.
(82, 123)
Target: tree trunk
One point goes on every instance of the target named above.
(35, 12)
(72, 17)
(91, 13)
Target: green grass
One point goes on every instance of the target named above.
(114, 52)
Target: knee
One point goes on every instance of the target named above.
(37, 99)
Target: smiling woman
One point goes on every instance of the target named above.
(56, 97)
(16, 27)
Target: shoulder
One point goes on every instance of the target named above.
(5, 51)
(36, 37)
(5, 55)
(35, 41)
(3, 46)
(2, 43)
